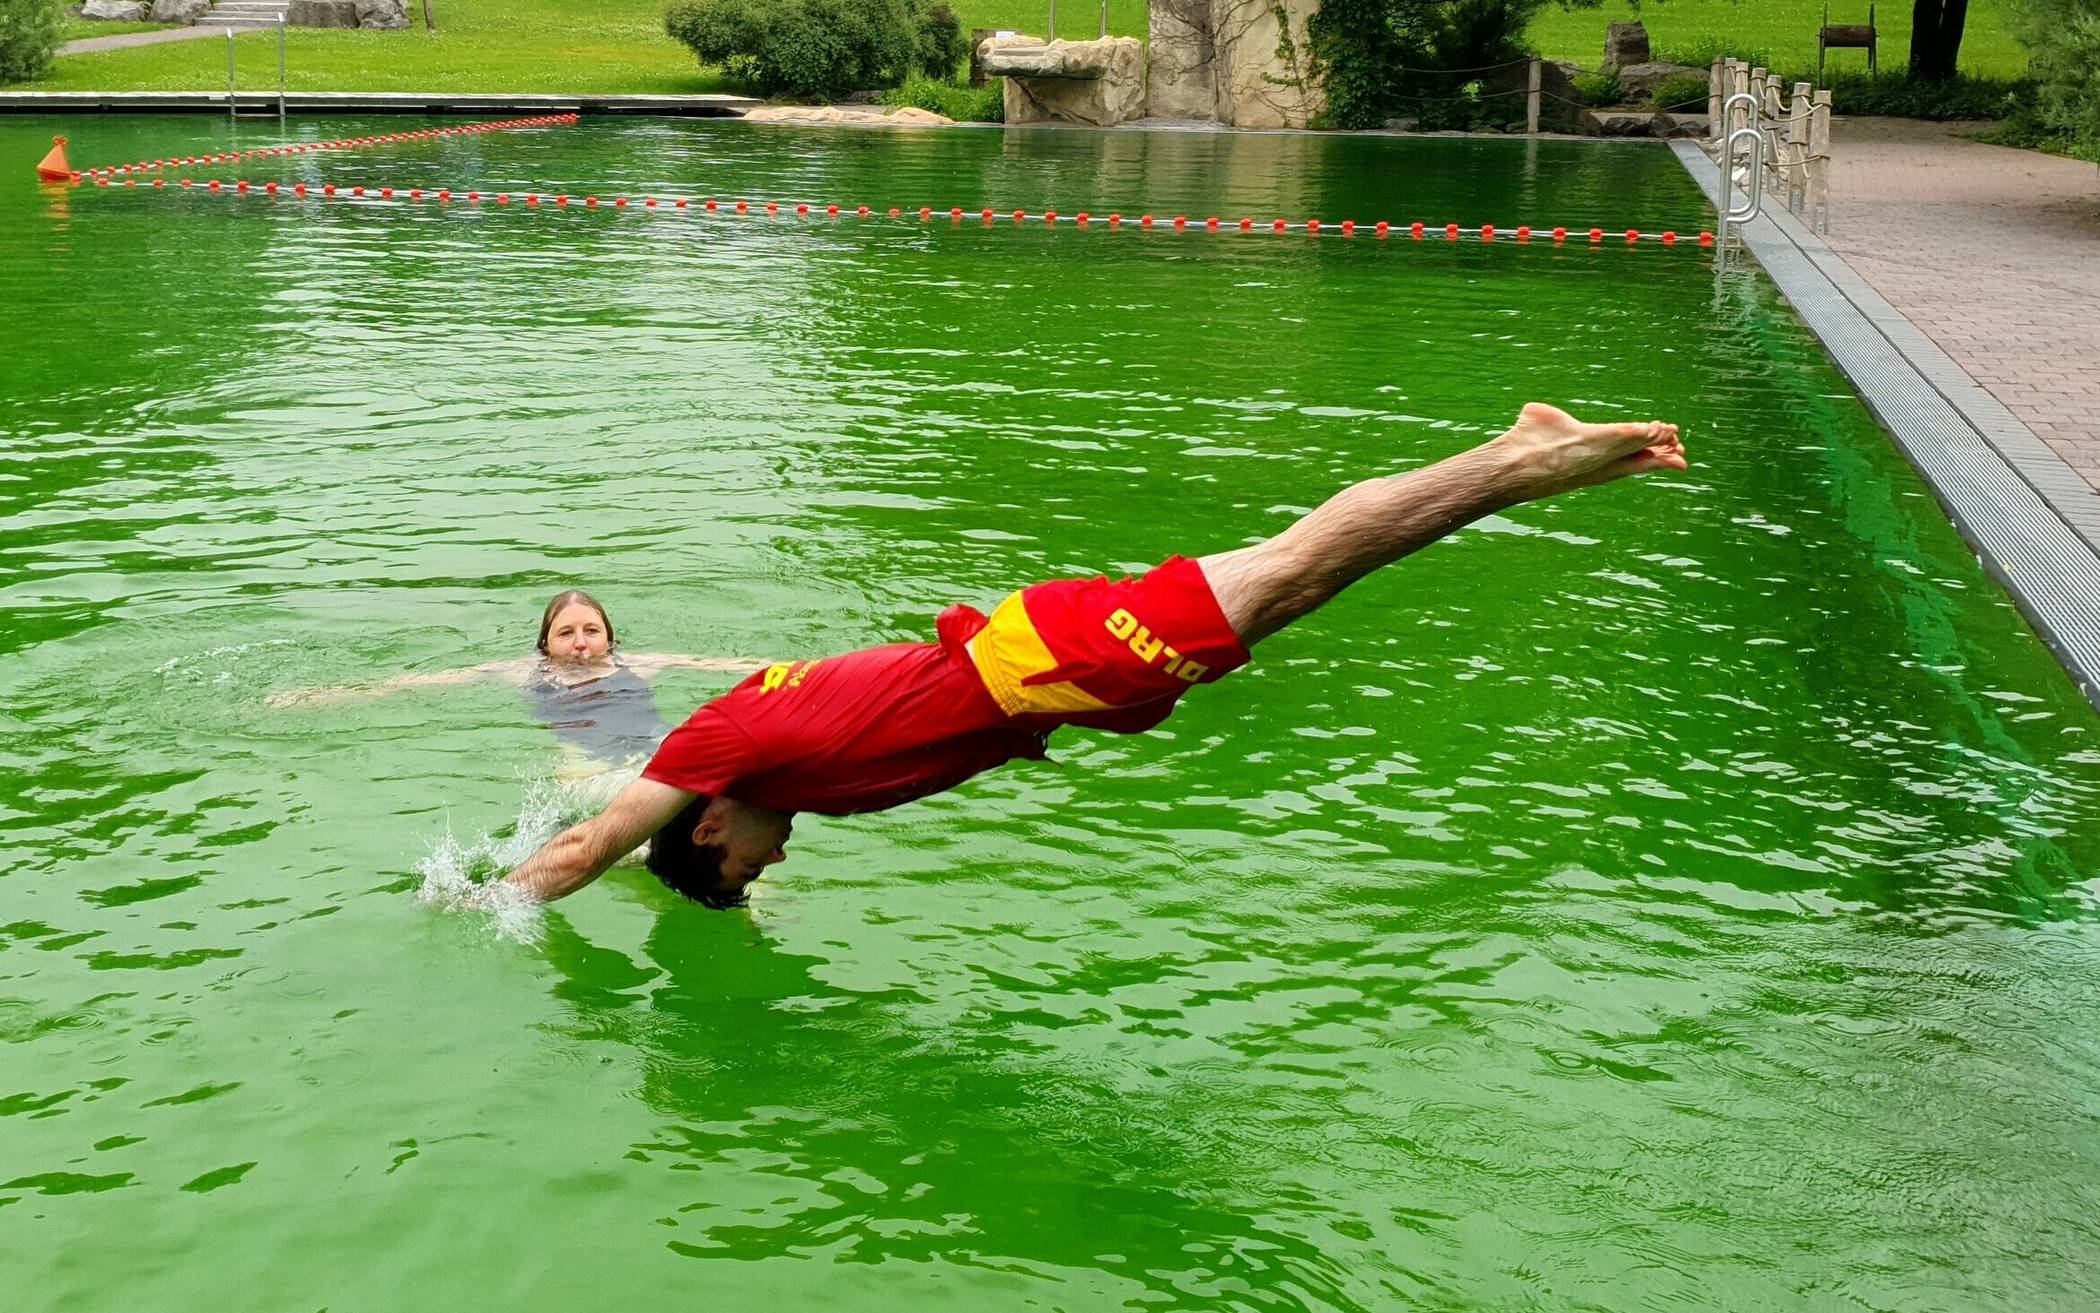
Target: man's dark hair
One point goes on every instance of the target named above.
(687, 868)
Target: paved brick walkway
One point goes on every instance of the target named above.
(1993, 253)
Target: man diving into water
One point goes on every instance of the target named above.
(880, 727)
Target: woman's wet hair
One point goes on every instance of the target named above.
(687, 868)
(572, 597)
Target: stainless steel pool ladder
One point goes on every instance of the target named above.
(233, 103)
(1733, 216)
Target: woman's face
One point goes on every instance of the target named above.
(577, 636)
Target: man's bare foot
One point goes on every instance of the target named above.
(1555, 452)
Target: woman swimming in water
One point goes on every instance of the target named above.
(594, 697)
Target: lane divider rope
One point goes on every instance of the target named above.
(1114, 221)
(104, 173)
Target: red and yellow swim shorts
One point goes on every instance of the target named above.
(1106, 655)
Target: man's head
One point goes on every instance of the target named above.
(715, 847)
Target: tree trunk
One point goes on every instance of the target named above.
(430, 25)
(1935, 37)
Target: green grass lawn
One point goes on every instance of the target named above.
(1780, 34)
(619, 46)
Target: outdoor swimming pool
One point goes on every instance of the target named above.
(1681, 895)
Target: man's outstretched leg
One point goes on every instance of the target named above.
(1547, 451)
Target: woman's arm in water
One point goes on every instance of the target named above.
(580, 854)
(653, 663)
(514, 669)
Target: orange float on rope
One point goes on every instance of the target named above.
(862, 211)
(772, 207)
(1560, 234)
(1211, 224)
(1246, 225)
(830, 211)
(1523, 233)
(1487, 232)
(1706, 239)
(1115, 220)
(1450, 232)
(1144, 221)
(1281, 225)
(1383, 228)
(1414, 230)
(1596, 234)
(802, 209)
(955, 212)
(1348, 227)
(1049, 216)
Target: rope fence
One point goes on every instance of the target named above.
(1792, 135)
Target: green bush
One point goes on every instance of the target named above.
(964, 104)
(1597, 88)
(29, 33)
(2064, 36)
(1381, 59)
(1685, 93)
(1899, 95)
(942, 46)
(818, 49)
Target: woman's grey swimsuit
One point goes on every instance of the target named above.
(612, 718)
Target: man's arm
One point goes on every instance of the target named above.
(580, 854)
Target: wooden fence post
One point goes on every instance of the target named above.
(1714, 93)
(1531, 100)
(1797, 149)
(1819, 163)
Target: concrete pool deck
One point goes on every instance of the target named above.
(2032, 518)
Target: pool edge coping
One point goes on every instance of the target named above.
(2030, 518)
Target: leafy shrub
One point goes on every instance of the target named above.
(1686, 91)
(1899, 95)
(964, 104)
(1597, 88)
(29, 32)
(2064, 36)
(942, 46)
(1701, 50)
(818, 49)
(1378, 59)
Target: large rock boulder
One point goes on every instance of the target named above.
(1265, 71)
(1098, 83)
(114, 11)
(385, 15)
(1639, 81)
(322, 13)
(1181, 77)
(1624, 44)
(179, 11)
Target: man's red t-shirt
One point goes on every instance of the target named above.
(856, 733)
(877, 728)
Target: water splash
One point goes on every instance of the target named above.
(466, 875)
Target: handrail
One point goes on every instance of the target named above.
(1754, 188)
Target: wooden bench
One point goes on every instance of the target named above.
(1846, 36)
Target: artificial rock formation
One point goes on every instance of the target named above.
(179, 11)
(1243, 63)
(1097, 83)
(115, 11)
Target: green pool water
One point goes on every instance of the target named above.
(1683, 895)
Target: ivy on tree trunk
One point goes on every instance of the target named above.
(1935, 37)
